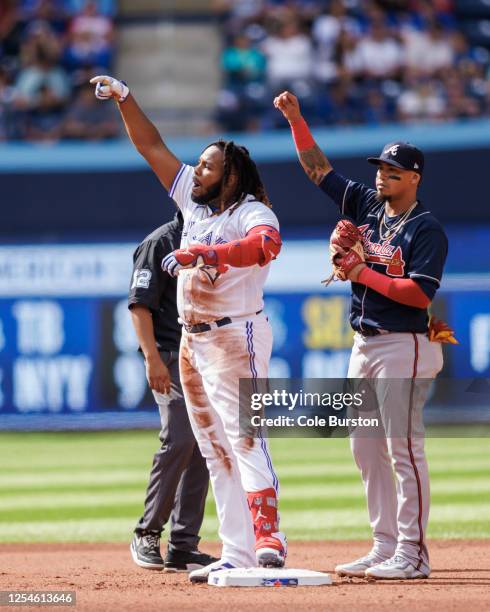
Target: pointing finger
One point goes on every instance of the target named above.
(100, 79)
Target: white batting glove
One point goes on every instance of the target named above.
(180, 259)
(109, 87)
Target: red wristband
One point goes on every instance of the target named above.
(301, 135)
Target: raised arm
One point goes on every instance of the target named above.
(311, 157)
(140, 129)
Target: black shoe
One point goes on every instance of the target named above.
(183, 561)
(145, 550)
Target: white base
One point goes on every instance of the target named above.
(258, 576)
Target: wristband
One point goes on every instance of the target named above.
(301, 135)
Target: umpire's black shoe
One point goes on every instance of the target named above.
(183, 561)
(145, 550)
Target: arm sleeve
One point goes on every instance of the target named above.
(148, 280)
(402, 290)
(180, 190)
(254, 214)
(349, 196)
(429, 252)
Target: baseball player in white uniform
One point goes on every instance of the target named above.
(230, 235)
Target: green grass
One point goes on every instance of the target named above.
(89, 487)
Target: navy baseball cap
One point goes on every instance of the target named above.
(402, 155)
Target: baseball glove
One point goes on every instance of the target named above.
(346, 250)
(439, 331)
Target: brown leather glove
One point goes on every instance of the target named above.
(439, 331)
(346, 250)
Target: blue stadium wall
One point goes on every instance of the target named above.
(107, 190)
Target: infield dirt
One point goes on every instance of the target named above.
(105, 579)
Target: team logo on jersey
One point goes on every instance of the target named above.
(209, 273)
(392, 150)
(206, 239)
(382, 253)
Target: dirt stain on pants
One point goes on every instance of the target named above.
(199, 405)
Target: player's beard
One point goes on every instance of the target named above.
(211, 195)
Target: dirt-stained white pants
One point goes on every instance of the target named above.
(398, 507)
(211, 364)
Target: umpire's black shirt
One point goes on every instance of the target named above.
(156, 289)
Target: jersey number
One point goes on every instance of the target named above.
(141, 279)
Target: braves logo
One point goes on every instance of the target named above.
(391, 150)
(382, 253)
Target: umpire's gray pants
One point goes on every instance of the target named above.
(179, 477)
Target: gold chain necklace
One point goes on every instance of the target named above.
(392, 230)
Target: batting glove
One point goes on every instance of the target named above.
(179, 260)
(196, 255)
(108, 87)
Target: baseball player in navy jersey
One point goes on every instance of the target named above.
(229, 238)
(394, 279)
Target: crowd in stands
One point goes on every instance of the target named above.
(48, 51)
(350, 62)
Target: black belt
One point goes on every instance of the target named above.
(204, 327)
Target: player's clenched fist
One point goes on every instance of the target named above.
(109, 87)
(288, 104)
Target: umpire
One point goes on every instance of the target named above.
(179, 477)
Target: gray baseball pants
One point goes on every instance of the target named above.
(179, 478)
(392, 459)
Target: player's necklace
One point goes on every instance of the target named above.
(391, 230)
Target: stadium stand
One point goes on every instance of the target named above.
(355, 62)
(200, 66)
(48, 50)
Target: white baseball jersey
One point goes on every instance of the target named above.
(212, 363)
(203, 295)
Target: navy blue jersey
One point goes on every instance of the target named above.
(417, 250)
